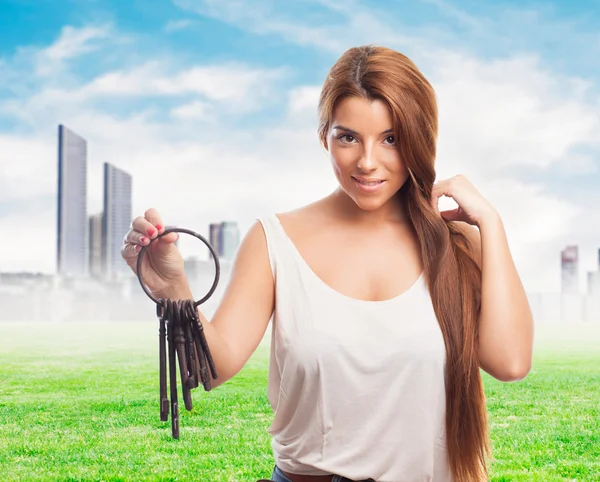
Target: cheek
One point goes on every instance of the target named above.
(343, 156)
(341, 159)
(396, 166)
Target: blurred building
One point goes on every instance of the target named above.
(570, 270)
(593, 282)
(215, 238)
(224, 238)
(230, 235)
(116, 220)
(95, 235)
(72, 240)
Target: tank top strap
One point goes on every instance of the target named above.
(275, 240)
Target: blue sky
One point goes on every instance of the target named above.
(564, 33)
(198, 96)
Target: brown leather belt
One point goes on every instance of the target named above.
(308, 478)
(314, 478)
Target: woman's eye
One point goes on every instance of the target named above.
(392, 139)
(346, 136)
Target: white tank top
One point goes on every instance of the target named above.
(357, 387)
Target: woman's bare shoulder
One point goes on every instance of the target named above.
(305, 219)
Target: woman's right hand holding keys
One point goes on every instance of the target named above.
(162, 265)
(246, 306)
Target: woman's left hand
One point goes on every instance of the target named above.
(472, 207)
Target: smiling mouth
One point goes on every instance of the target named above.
(367, 183)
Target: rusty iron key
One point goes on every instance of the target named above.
(162, 355)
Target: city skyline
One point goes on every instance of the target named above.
(90, 244)
(102, 233)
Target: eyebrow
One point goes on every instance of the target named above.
(342, 128)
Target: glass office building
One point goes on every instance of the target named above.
(116, 220)
(72, 241)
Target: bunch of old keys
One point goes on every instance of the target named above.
(182, 328)
(181, 334)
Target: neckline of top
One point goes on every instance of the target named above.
(342, 296)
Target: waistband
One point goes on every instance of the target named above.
(279, 476)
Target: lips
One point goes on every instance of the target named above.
(368, 182)
(368, 186)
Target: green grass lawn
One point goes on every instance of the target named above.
(80, 402)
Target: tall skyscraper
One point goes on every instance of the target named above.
(116, 220)
(72, 240)
(231, 239)
(570, 269)
(95, 234)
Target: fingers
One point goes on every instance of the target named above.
(135, 237)
(440, 188)
(129, 252)
(169, 238)
(155, 220)
(143, 226)
(143, 230)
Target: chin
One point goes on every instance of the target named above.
(369, 204)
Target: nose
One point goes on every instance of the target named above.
(367, 161)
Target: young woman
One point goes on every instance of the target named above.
(384, 309)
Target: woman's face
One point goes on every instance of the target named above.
(363, 152)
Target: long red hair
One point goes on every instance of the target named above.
(453, 276)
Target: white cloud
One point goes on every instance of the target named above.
(28, 167)
(232, 81)
(511, 112)
(73, 42)
(236, 87)
(304, 99)
(192, 110)
(29, 243)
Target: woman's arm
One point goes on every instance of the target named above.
(242, 317)
(506, 321)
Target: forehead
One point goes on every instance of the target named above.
(362, 115)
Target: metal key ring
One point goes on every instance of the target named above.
(192, 233)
